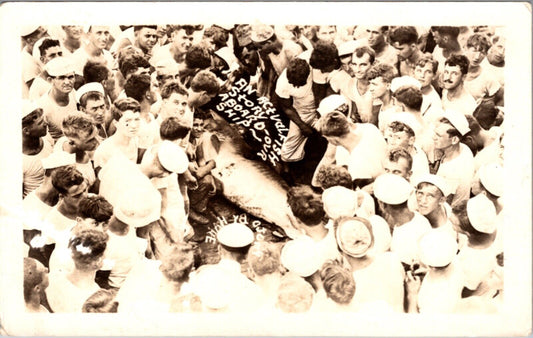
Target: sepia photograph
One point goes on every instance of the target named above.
(265, 169)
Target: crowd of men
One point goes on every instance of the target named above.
(393, 161)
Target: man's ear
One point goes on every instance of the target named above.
(455, 140)
(25, 131)
(42, 58)
(411, 140)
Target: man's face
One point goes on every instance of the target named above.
(175, 105)
(425, 74)
(375, 36)
(75, 194)
(475, 56)
(73, 32)
(360, 65)
(147, 38)
(85, 141)
(38, 128)
(197, 128)
(96, 109)
(496, 53)
(378, 87)
(51, 53)
(400, 168)
(181, 41)
(333, 140)
(99, 36)
(63, 83)
(91, 223)
(438, 39)
(429, 198)
(404, 51)
(198, 99)
(398, 139)
(452, 77)
(167, 74)
(326, 33)
(129, 123)
(441, 138)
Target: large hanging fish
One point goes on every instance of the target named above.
(250, 184)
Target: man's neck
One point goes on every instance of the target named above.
(362, 86)
(62, 99)
(121, 138)
(31, 145)
(400, 217)
(452, 48)
(72, 44)
(47, 193)
(451, 152)
(427, 89)
(145, 107)
(34, 305)
(456, 92)
(92, 50)
(359, 263)
(82, 278)
(316, 232)
(386, 100)
(413, 58)
(72, 149)
(351, 140)
(437, 217)
(380, 47)
(177, 55)
(67, 210)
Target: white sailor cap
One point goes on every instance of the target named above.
(58, 66)
(339, 201)
(404, 81)
(166, 63)
(225, 26)
(458, 120)
(28, 107)
(354, 236)
(58, 159)
(407, 119)
(348, 47)
(226, 54)
(300, 256)
(481, 214)
(89, 87)
(172, 157)
(491, 177)
(437, 248)
(139, 205)
(330, 103)
(392, 189)
(28, 29)
(235, 235)
(261, 32)
(436, 180)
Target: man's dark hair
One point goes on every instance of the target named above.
(334, 124)
(452, 31)
(198, 57)
(404, 35)
(479, 42)
(189, 29)
(469, 137)
(360, 51)
(333, 175)
(137, 28)
(458, 60)
(410, 96)
(306, 205)
(95, 207)
(31, 277)
(90, 96)
(173, 87)
(121, 105)
(427, 57)
(137, 85)
(131, 63)
(95, 72)
(173, 128)
(47, 43)
(486, 114)
(63, 178)
(31, 117)
(385, 71)
(398, 127)
(298, 72)
(205, 80)
(395, 154)
(451, 131)
(218, 35)
(324, 55)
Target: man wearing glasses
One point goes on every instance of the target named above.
(60, 99)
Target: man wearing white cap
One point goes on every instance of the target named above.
(294, 88)
(94, 50)
(440, 291)
(34, 146)
(60, 100)
(476, 218)
(222, 286)
(451, 159)
(359, 146)
(454, 95)
(91, 100)
(431, 193)
(46, 50)
(392, 192)
(378, 276)
(30, 34)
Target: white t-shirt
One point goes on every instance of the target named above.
(54, 114)
(405, 238)
(57, 227)
(38, 88)
(441, 295)
(477, 264)
(32, 168)
(35, 210)
(484, 85)
(431, 106)
(125, 251)
(108, 148)
(465, 103)
(366, 159)
(341, 82)
(65, 297)
(459, 173)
